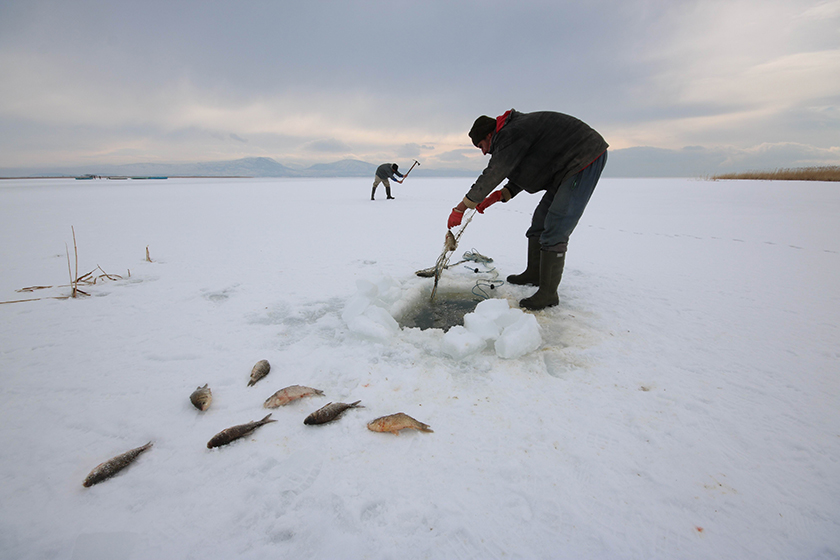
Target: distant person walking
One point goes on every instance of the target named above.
(383, 173)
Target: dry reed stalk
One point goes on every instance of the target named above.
(821, 173)
(33, 288)
(148, 258)
(76, 251)
(109, 276)
(32, 299)
(70, 270)
(86, 279)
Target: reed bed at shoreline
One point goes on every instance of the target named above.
(824, 173)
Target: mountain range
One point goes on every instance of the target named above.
(244, 167)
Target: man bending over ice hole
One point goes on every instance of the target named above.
(542, 151)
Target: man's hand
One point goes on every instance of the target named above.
(455, 218)
(492, 198)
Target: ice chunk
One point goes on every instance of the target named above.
(492, 308)
(459, 343)
(389, 290)
(482, 326)
(507, 319)
(374, 323)
(355, 307)
(520, 338)
(367, 288)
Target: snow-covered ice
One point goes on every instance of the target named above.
(682, 401)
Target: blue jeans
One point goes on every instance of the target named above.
(561, 207)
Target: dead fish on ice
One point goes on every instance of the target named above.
(329, 412)
(235, 432)
(109, 468)
(289, 394)
(259, 371)
(201, 397)
(395, 422)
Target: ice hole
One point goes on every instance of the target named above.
(446, 311)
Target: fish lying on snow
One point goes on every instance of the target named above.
(109, 468)
(259, 371)
(235, 432)
(201, 397)
(329, 412)
(395, 422)
(289, 394)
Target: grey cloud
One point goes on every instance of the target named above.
(698, 161)
(161, 72)
(327, 145)
(455, 156)
(413, 150)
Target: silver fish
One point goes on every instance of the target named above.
(329, 412)
(106, 470)
(259, 371)
(289, 394)
(201, 397)
(235, 432)
(395, 422)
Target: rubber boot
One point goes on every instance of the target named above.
(551, 271)
(373, 192)
(531, 276)
(388, 193)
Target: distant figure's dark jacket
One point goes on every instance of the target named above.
(385, 171)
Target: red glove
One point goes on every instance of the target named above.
(455, 218)
(492, 198)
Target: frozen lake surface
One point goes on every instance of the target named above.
(684, 400)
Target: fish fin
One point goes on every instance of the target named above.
(395, 432)
(319, 392)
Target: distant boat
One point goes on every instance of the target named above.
(150, 177)
(85, 177)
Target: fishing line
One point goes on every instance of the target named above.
(482, 285)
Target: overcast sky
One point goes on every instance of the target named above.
(118, 81)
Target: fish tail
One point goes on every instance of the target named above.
(266, 419)
(355, 405)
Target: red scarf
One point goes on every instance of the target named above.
(500, 121)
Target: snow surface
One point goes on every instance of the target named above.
(684, 401)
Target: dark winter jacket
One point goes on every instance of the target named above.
(536, 151)
(386, 171)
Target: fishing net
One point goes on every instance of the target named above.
(449, 246)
